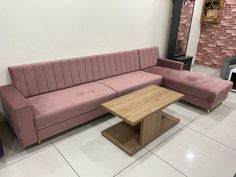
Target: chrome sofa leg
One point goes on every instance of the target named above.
(39, 142)
(210, 110)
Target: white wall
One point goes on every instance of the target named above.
(195, 30)
(37, 30)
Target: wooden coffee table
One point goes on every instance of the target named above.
(143, 119)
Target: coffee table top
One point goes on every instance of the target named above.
(135, 106)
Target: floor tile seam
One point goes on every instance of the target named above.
(35, 153)
(54, 146)
(132, 163)
(64, 158)
(196, 118)
(184, 125)
(116, 173)
(168, 164)
(167, 138)
(217, 141)
(60, 141)
(66, 138)
(149, 150)
(109, 122)
(191, 122)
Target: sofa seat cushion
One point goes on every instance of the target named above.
(196, 84)
(58, 106)
(126, 83)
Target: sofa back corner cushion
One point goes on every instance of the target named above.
(41, 78)
(148, 57)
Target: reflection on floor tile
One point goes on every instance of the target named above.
(12, 150)
(46, 163)
(90, 154)
(184, 111)
(150, 166)
(219, 124)
(196, 155)
(164, 136)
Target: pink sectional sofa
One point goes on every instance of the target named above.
(50, 97)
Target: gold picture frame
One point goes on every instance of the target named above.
(212, 11)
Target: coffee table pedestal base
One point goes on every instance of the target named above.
(133, 138)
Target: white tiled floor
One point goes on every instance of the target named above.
(45, 163)
(201, 145)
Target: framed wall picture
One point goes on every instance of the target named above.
(212, 11)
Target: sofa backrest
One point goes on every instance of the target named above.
(44, 77)
(148, 57)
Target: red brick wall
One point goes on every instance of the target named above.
(184, 26)
(218, 41)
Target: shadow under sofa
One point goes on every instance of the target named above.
(50, 97)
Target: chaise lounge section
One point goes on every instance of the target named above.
(199, 89)
(50, 97)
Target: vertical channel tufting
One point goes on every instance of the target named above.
(112, 64)
(107, 65)
(149, 53)
(95, 68)
(58, 75)
(41, 78)
(152, 61)
(141, 57)
(67, 73)
(122, 62)
(118, 64)
(51, 82)
(18, 80)
(101, 66)
(30, 80)
(74, 71)
(127, 61)
(157, 55)
(148, 57)
(88, 69)
(136, 57)
(132, 61)
(82, 71)
(154, 57)
(132, 66)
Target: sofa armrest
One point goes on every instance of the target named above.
(170, 64)
(19, 113)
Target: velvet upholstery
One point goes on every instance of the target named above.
(129, 82)
(58, 106)
(70, 123)
(50, 97)
(197, 85)
(40, 78)
(148, 57)
(19, 114)
(170, 64)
